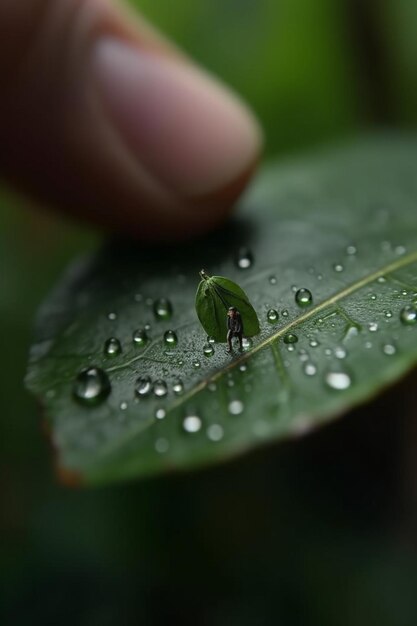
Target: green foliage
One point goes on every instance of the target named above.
(215, 294)
(337, 227)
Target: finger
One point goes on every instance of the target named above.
(101, 116)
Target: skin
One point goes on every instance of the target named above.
(104, 118)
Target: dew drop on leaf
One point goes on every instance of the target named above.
(140, 337)
(309, 368)
(192, 424)
(244, 259)
(284, 313)
(340, 353)
(210, 339)
(112, 316)
(290, 338)
(91, 386)
(161, 445)
(162, 309)
(215, 432)
(351, 250)
(247, 343)
(235, 407)
(338, 380)
(178, 387)
(123, 406)
(373, 327)
(208, 349)
(388, 314)
(303, 297)
(338, 267)
(408, 315)
(272, 316)
(143, 386)
(196, 364)
(160, 413)
(389, 349)
(170, 338)
(160, 389)
(112, 347)
(273, 280)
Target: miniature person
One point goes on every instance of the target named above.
(234, 327)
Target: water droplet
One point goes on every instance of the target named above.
(208, 349)
(112, 347)
(314, 343)
(290, 347)
(243, 367)
(351, 250)
(273, 280)
(212, 386)
(161, 445)
(404, 292)
(388, 314)
(138, 297)
(309, 369)
(244, 259)
(192, 424)
(170, 338)
(290, 338)
(143, 386)
(293, 288)
(148, 327)
(389, 349)
(303, 297)
(160, 389)
(112, 316)
(162, 309)
(272, 316)
(284, 313)
(400, 250)
(338, 380)
(381, 279)
(340, 353)
(140, 337)
(338, 267)
(210, 339)
(91, 386)
(160, 413)
(236, 407)
(215, 432)
(178, 387)
(123, 406)
(372, 296)
(247, 343)
(408, 315)
(373, 327)
(197, 364)
(368, 345)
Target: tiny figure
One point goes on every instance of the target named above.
(234, 327)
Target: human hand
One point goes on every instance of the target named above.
(104, 118)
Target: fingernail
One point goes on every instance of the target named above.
(188, 131)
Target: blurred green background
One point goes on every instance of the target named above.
(320, 532)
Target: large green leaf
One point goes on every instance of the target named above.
(342, 225)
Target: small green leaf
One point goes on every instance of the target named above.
(131, 387)
(215, 295)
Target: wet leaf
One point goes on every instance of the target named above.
(215, 294)
(131, 386)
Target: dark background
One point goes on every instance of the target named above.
(320, 532)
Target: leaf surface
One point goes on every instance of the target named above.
(342, 225)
